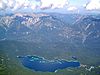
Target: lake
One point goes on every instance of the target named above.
(37, 63)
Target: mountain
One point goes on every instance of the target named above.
(53, 36)
(50, 28)
(90, 29)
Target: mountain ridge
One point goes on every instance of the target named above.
(50, 27)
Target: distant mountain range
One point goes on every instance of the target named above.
(73, 28)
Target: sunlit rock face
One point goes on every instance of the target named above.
(41, 64)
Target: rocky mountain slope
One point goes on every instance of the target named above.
(72, 28)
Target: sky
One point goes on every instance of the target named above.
(62, 6)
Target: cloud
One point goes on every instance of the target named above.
(72, 8)
(93, 5)
(34, 4)
(2, 5)
(53, 3)
(19, 5)
(15, 5)
(11, 3)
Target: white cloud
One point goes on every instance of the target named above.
(53, 3)
(34, 4)
(2, 5)
(72, 8)
(20, 4)
(10, 3)
(93, 5)
(15, 5)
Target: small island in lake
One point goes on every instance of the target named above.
(37, 63)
